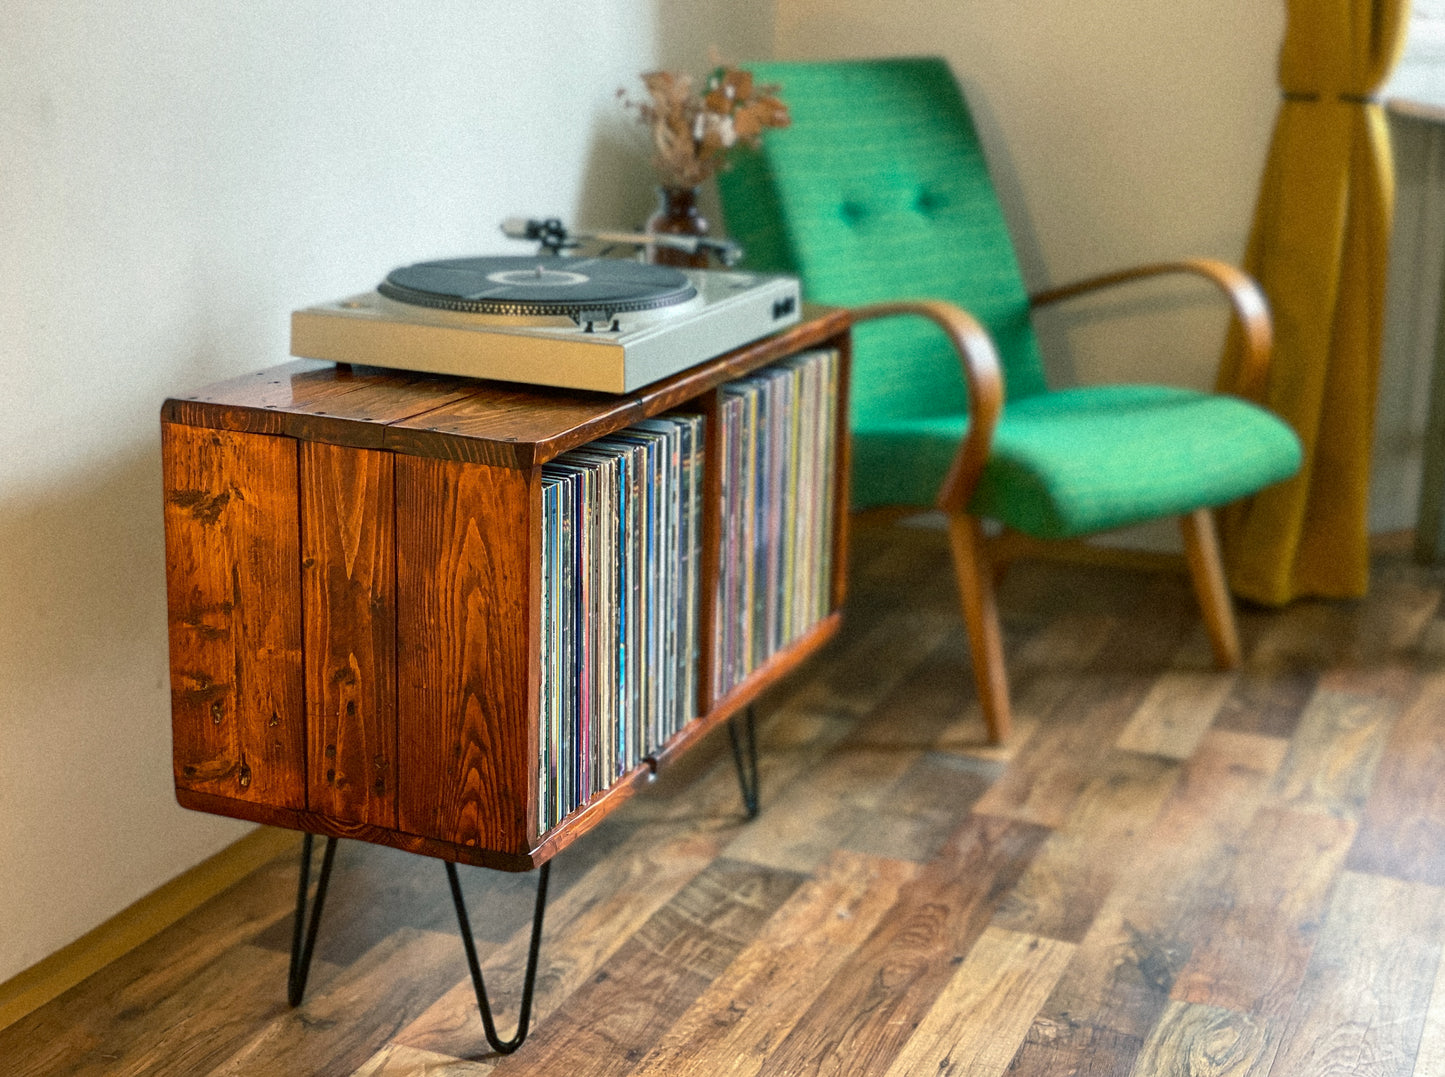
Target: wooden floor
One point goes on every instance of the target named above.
(1168, 871)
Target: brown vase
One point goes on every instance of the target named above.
(677, 215)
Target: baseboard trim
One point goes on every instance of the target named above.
(133, 925)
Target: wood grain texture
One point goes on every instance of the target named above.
(1227, 875)
(613, 894)
(606, 1026)
(1362, 1006)
(1117, 987)
(873, 1002)
(1081, 862)
(1203, 1041)
(334, 1032)
(1180, 708)
(308, 399)
(1259, 939)
(983, 1014)
(348, 549)
(523, 427)
(1337, 746)
(467, 618)
(1430, 1057)
(1402, 831)
(234, 612)
(1051, 771)
(735, 1024)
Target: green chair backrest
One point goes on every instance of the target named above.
(879, 190)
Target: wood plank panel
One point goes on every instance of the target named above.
(873, 1002)
(1430, 1058)
(1117, 986)
(1203, 1041)
(349, 607)
(395, 1060)
(733, 1025)
(801, 829)
(1257, 943)
(611, 1021)
(468, 557)
(1180, 706)
(1362, 1006)
(591, 918)
(1402, 831)
(1341, 736)
(346, 1020)
(1079, 864)
(233, 601)
(1052, 770)
(985, 1011)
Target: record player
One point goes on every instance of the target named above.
(605, 324)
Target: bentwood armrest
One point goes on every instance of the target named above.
(981, 373)
(1247, 303)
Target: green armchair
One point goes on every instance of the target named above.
(879, 198)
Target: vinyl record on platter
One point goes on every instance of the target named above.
(541, 285)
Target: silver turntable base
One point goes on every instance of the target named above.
(584, 345)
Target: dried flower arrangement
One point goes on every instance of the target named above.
(692, 132)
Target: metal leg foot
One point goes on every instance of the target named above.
(745, 755)
(504, 1047)
(302, 947)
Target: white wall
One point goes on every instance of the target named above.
(175, 177)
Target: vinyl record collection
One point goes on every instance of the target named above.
(774, 580)
(621, 556)
(622, 570)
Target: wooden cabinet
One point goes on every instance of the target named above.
(354, 571)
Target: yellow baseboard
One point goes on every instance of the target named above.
(135, 924)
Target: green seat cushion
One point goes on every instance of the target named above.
(1077, 461)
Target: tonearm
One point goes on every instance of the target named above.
(554, 238)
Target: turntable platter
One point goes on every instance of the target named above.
(545, 285)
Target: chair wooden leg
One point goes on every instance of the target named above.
(980, 616)
(1201, 549)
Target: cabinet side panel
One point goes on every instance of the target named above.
(234, 612)
(349, 587)
(466, 628)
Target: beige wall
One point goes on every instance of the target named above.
(175, 177)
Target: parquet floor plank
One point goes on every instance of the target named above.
(340, 1026)
(1076, 870)
(1361, 1009)
(1206, 1041)
(1341, 737)
(735, 1025)
(1117, 986)
(1402, 831)
(1182, 704)
(396, 1060)
(583, 927)
(1165, 870)
(982, 1015)
(609, 1023)
(874, 1001)
(1045, 779)
(1256, 944)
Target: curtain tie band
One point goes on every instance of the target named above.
(1348, 98)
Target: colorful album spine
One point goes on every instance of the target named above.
(621, 558)
(778, 480)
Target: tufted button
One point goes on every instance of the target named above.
(928, 201)
(852, 212)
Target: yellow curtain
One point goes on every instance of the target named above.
(1318, 247)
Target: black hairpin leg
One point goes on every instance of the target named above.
(499, 1045)
(745, 755)
(301, 949)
